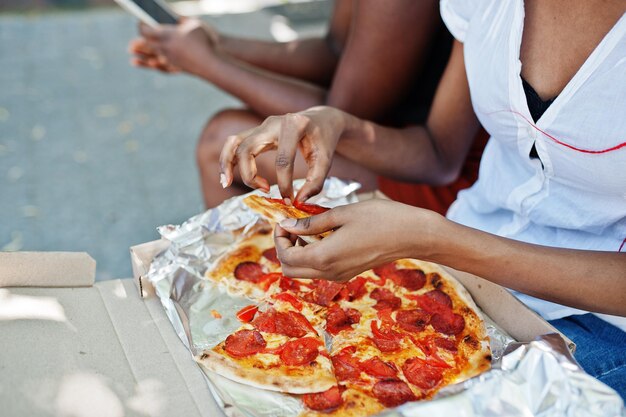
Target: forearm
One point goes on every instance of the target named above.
(433, 153)
(409, 154)
(312, 59)
(264, 92)
(589, 280)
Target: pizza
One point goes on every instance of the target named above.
(276, 210)
(394, 334)
(277, 349)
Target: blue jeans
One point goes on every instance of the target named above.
(600, 348)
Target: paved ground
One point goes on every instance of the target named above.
(95, 154)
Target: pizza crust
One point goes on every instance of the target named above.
(295, 383)
(276, 212)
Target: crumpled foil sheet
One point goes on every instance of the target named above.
(535, 379)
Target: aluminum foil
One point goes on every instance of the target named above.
(535, 379)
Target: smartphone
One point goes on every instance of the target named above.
(151, 12)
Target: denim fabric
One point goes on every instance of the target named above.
(600, 348)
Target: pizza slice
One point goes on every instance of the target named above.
(251, 268)
(275, 210)
(278, 349)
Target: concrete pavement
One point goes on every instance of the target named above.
(95, 154)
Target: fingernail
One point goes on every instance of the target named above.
(288, 223)
(223, 181)
(287, 201)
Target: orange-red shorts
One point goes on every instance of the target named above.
(437, 198)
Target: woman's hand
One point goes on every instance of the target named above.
(188, 46)
(314, 131)
(367, 235)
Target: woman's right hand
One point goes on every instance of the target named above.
(314, 131)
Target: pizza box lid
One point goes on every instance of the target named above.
(71, 346)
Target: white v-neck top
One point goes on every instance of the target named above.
(574, 195)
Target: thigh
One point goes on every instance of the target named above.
(600, 348)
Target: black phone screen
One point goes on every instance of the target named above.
(156, 11)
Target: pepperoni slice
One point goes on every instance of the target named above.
(244, 343)
(378, 368)
(289, 298)
(268, 279)
(386, 270)
(392, 393)
(309, 208)
(411, 279)
(326, 401)
(265, 322)
(300, 352)
(448, 322)
(247, 313)
(298, 320)
(418, 372)
(324, 292)
(446, 344)
(385, 339)
(385, 299)
(384, 315)
(356, 288)
(338, 319)
(413, 320)
(347, 367)
(290, 324)
(288, 284)
(270, 255)
(436, 300)
(249, 271)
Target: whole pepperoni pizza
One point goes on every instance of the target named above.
(394, 334)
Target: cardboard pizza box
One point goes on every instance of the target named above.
(72, 347)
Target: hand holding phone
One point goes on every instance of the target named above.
(151, 12)
(190, 46)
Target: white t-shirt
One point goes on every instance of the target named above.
(574, 195)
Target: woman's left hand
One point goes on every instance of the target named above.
(365, 235)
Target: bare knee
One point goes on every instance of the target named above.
(218, 128)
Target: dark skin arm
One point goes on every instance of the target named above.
(268, 92)
(432, 153)
(313, 60)
(588, 280)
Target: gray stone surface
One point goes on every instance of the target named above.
(95, 154)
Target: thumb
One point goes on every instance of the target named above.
(312, 225)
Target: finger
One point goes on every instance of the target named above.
(313, 225)
(279, 232)
(139, 46)
(149, 32)
(318, 170)
(300, 272)
(293, 259)
(156, 48)
(291, 130)
(248, 171)
(139, 62)
(228, 159)
(259, 141)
